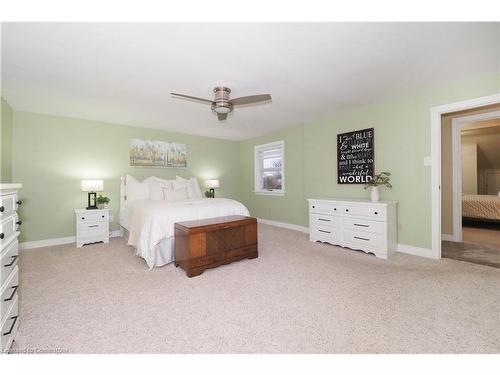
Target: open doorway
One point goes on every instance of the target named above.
(471, 185)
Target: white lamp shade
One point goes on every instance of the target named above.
(212, 184)
(92, 185)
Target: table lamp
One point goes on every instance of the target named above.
(212, 185)
(92, 186)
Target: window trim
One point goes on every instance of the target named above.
(257, 169)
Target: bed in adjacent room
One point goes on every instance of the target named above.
(150, 209)
(485, 208)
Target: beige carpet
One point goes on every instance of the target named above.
(297, 297)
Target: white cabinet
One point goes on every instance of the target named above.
(9, 271)
(354, 223)
(91, 226)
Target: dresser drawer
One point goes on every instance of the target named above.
(325, 233)
(326, 220)
(362, 225)
(10, 325)
(92, 216)
(7, 227)
(93, 229)
(8, 204)
(326, 208)
(9, 292)
(364, 240)
(8, 260)
(369, 212)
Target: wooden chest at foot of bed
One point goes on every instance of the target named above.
(208, 243)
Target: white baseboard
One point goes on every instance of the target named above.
(414, 250)
(280, 224)
(447, 237)
(407, 249)
(55, 241)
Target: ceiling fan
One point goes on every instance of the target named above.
(222, 105)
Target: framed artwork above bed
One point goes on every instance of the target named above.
(145, 153)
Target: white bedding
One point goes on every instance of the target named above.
(150, 222)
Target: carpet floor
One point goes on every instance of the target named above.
(297, 297)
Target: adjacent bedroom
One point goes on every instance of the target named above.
(293, 188)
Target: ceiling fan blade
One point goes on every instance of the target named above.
(251, 99)
(192, 98)
(221, 116)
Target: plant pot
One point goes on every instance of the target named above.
(375, 195)
(102, 206)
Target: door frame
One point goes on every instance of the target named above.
(456, 143)
(436, 113)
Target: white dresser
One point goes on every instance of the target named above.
(355, 223)
(91, 226)
(9, 271)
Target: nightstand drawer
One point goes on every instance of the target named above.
(93, 229)
(10, 325)
(92, 216)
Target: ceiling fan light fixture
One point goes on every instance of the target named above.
(222, 109)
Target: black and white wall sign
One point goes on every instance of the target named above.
(355, 157)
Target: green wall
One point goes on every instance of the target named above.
(6, 143)
(402, 140)
(51, 155)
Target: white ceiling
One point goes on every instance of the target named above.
(123, 73)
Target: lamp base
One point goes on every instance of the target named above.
(92, 201)
(212, 193)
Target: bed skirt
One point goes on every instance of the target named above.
(164, 251)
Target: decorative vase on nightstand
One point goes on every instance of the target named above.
(375, 194)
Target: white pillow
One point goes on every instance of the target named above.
(156, 186)
(187, 185)
(175, 195)
(194, 188)
(135, 190)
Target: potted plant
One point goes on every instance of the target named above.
(102, 202)
(379, 179)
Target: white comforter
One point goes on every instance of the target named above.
(152, 221)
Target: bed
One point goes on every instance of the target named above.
(148, 225)
(485, 208)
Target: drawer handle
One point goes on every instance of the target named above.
(346, 210)
(14, 257)
(19, 202)
(93, 226)
(2, 208)
(335, 209)
(19, 222)
(14, 318)
(12, 295)
(2, 236)
(361, 238)
(376, 213)
(314, 206)
(361, 225)
(102, 216)
(324, 231)
(83, 217)
(323, 219)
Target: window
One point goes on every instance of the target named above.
(270, 168)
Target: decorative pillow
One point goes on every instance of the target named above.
(175, 195)
(156, 186)
(135, 190)
(193, 182)
(187, 185)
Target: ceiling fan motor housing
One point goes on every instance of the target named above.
(221, 100)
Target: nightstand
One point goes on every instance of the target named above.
(91, 226)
